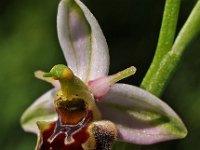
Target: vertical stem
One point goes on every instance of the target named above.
(166, 67)
(166, 38)
(189, 31)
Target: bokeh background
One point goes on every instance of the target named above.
(28, 42)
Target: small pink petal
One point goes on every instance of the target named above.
(102, 85)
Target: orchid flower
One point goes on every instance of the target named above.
(87, 109)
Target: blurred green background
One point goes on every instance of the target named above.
(28, 42)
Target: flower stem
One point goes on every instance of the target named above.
(157, 79)
(165, 41)
(189, 31)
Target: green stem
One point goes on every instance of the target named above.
(166, 38)
(189, 31)
(168, 64)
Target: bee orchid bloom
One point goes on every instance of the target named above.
(87, 109)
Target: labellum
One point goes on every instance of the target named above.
(77, 126)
